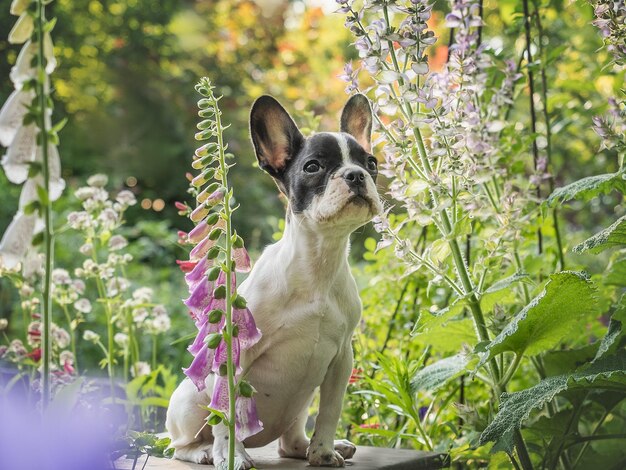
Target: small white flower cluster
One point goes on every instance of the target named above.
(68, 291)
(153, 318)
(100, 214)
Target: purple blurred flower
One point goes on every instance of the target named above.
(75, 439)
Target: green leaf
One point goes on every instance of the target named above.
(43, 195)
(588, 188)
(616, 331)
(615, 274)
(567, 300)
(615, 235)
(507, 281)
(515, 408)
(437, 374)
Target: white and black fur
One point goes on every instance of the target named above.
(301, 293)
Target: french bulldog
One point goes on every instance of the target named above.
(300, 291)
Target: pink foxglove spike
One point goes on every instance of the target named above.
(242, 260)
(199, 298)
(201, 249)
(196, 275)
(247, 421)
(221, 356)
(219, 399)
(248, 334)
(200, 367)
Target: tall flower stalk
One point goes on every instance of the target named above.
(225, 325)
(32, 158)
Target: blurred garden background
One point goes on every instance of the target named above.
(125, 82)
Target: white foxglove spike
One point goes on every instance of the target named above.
(23, 69)
(21, 152)
(32, 264)
(12, 115)
(16, 240)
(48, 53)
(19, 6)
(57, 184)
(22, 29)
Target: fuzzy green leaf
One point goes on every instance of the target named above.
(515, 408)
(567, 300)
(506, 282)
(615, 235)
(616, 332)
(588, 188)
(439, 373)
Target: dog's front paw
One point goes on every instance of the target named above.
(242, 460)
(345, 448)
(321, 457)
(195, 453)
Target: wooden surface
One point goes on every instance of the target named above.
(366, 458)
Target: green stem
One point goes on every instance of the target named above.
(533, 114)
(109, 318)
(511, 370)
(593, 433)
(546, 118)
(72, 336)
(153, 363)
(230, 369)
(46, 357)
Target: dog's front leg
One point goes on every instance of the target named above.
(324, 451)
(220, 450)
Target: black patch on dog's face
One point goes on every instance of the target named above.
(308, 173)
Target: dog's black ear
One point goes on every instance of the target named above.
(275, 136)
(356, 120)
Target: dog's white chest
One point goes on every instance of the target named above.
(305, 327)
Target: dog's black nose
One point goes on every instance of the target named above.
(355, 178)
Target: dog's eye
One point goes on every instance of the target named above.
(372, 164)
(312, 167)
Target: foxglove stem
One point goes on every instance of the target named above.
(46, 356)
